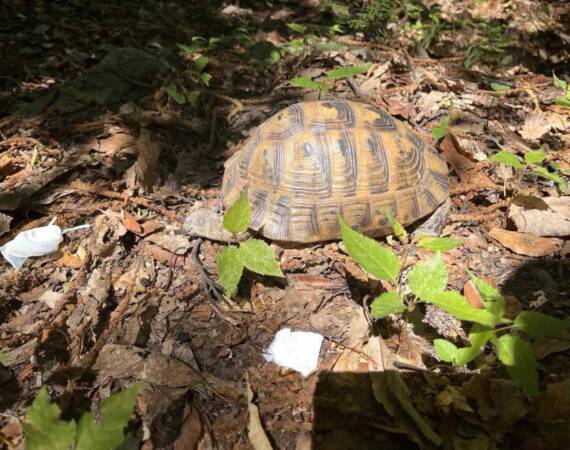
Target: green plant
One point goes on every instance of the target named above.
(521, 166)
(491, 45)
(252, 254)
(440, 131)
(328, 81)
(563, 100)
(427, 282)
(44, 430)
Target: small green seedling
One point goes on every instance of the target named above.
(44, 430)
(440, 131)
(427, 283)
(563, 100)
(328, 82)
(535, 158)
(252, 254)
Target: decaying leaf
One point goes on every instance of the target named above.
(526, 244)
(255, 431)
(539, 123)
(552, 221)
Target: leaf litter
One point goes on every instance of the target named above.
(108, 144)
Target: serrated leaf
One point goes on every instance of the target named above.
(428, 277)
(498, 87)
(457, 305)
(438, 244)
(519, 360)
(465, 355)
(348, 71)
(562, 84)
(115, 414)
(230, 269)
(373, 257)
(492, 298)
(297, 28)
(508, 159)
(302, 82)
(445, 350)
(399, 231)
(535, 156)
(238, 216)
(175, 95)
(440, 131)
(201, 62)
(536, 324)
(386, 304)
(43, 429)
(258, 257)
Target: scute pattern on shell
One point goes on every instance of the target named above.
(314, 161)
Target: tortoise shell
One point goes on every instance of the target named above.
(314, 161)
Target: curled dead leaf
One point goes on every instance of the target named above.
(554, 220)
(526, 244)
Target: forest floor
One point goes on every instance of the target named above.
(120, 115)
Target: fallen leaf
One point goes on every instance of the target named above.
(255, 431)
(530, 202)
(451, 153)
(131, 224)
(68, 260)
(535, 126)
(552, 221)
(191, 431)
(472, 295)
(174, 243)
(526, 244)
(144, 172)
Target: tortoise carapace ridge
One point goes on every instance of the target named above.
(315, 161)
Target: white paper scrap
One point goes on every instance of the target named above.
(297, 350)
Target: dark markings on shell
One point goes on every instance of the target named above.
(296, 117)
(384, 122)
(360, 214)
(430, 198)
(278, 164)
(247, 155)
(410, 165)
(259, 203)
(347, 146)
(379, 208)
(307, 216)
(310, 174)
(280, 217)
(441, 179)
(345, 118)
(379, 178)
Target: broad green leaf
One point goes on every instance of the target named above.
(43, 429)
(465, 355)
(115, 414)
(297, 28)
(517, 356)
(373, 257)
(440, 131)
(494, 301)
(238, 216)
(480, 335)
(498, 87)
(552, 176)
(399, 231)
(230, 269)
(457, 305)
(507, 158)
(428, 277)
(535, 156)
(445, 350)
(438, 244)
(302, 82)
(258, 257)
(201, 62)
(386, 304)
(348, 71)
(563, 101)
(205, 77)
(559, 83)
(536, 324)
(175, 95)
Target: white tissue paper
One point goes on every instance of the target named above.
(297, 350)
(35, 242)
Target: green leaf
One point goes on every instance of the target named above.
(508, 159)
(536, 324)
(498, 87)
(386, 304)
(115, 414)
(516, 354)
(480, 335)
(297, 28)
(494, 301)
(428, 277)
(230, 268)
(206, 77)
(535, 156)
(457, 305)
(43, 429)
(258, 257)
(5, 357)
(559, 83)
(438, 244)
(552, 176)
(373, 257)
(201, 62)
(445, 350)
(238, 216)
(440, 131)
(348, 71)
(175, 95)
(465, 355)
(399, 231)
(562, 101)
(302, 82)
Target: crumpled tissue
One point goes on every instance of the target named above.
(297, 350)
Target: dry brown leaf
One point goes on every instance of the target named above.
(255, 431)
(472, 295)
(144, 172)
(535, 126)
(68, 260)
(526, 244)
(553, 221)
(191, 431)
(450, 153)
(174, 243)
